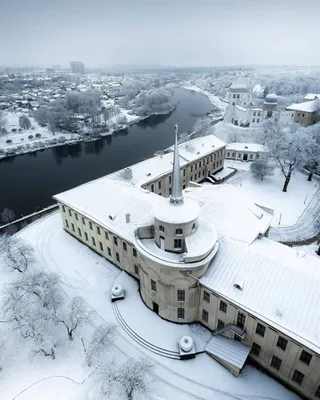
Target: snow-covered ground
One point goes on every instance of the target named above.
(21, 139)
(86, 274)
(231, 133)
(289, 206)
(309, 249)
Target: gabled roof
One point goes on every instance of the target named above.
(307, 106)
(240, 84)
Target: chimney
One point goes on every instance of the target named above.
(128, 173)
(127, 218)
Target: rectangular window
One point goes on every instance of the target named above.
(118, 257)
(170, 179)
(63, 208)
(297, 377)
(170, 191)
(260, 330)
(86, 236)
(109, 252)
(228, 154)
(90, 225)
(153, 285)
(79, 232)
(215, 156)
(238, 96)
(106, 235)
(255, 349)
(124, 244)
(220, 324)
(258, 120)
(195, 166)
(184, 186)
(205, 316)
(67, 223)
(177, 243)
(101, 246)
(282, 343)
(159, 184)
(76, 215)
(234, 96)
(211, 158)
(305, 357)
(241, 320)
(199, 174)
(98, 230)
(93, 241)
(191, 168)
(72, 226)
(206, 296)
(181, 295)
(83, 221)
(184, 172)
(223, 306)
(253, 120)
(180, 313)
(317, 393)
(115, 240)
(136, 270)
(152, 188)
(276, 363)
(254, 114)
(134, 252)
(70, 213)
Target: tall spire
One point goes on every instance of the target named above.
(176, 193)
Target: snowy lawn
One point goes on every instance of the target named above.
(231, 133)
(84, 273)
(289, 206)
(22, 138)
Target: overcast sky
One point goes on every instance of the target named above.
(159, 32)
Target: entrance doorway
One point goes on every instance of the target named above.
(245, 157)
(155, 307)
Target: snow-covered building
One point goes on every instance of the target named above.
(244, 151)
(242, 110)
(202, 254)
(305, 113)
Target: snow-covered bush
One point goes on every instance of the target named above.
(38, 135)
(30, 137)
(8, 141)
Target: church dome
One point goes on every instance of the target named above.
(271, 98)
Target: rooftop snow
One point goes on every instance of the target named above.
(312, 96)
(246, 146)
(307, 106)
(280, 288)
(239, 84)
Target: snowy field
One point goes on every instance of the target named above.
(288, 206)
(84, 273)
(22, 138)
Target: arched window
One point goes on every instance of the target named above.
(161, 228)
(178, 231)
(194, 226)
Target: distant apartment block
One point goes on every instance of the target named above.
(77, 67)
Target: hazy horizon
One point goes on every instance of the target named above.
(184, 33)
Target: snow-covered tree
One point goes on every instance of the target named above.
(102, 338)
(24, 122)
(7, 215)
(137, 379)
(261, 168)
(312, 150)
(287, 146)
(77, 315)
(16, 253)
(3, 122)
(202, 127)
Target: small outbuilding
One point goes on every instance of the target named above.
(244, 151)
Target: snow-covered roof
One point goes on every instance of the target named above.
(161, 164)
(246, 146)
(311, 96)
(183, 213)
(239, 84)
(241, 108)
(307, 106)
(279, 287)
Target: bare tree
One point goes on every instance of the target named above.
(77, 315)
(102, 339)
(287, 146)
(3, 122)
(261, 168)
(24, 122)
(202, 127)
(312, 150)
(17, 254)
(7, 215)
(137, 378)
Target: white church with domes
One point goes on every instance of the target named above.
(201, 254)
(243, 112)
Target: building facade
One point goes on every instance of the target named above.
(205, 260)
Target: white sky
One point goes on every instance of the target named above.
(159, 32)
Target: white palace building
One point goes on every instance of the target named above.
(201, 254)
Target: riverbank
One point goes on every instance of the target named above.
(48, 139)
(215, 100)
